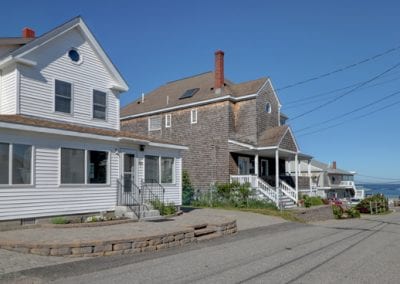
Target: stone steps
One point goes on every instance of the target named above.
(203, 232)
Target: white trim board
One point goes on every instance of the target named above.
(227, 97)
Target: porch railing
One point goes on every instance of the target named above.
(127, 198)
(288, 190)
(346, 183)
(152, 190)
(259, 184)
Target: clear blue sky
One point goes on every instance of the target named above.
(153, 42)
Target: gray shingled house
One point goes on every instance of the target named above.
(235, 131)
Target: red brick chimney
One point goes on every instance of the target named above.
(28, 33)
(334, 165)
(219, 71)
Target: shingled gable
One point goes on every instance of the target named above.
(18, 54)
(168, 95)
(280, 136)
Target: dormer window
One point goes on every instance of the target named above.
(74, 55)
(268, 107)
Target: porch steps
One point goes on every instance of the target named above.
(287, 202)
(203, 232)
(137, 212)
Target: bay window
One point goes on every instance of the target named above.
(159, 169)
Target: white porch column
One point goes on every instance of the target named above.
(296, 165)
(276, 168)
(309, 173)
(256, 171)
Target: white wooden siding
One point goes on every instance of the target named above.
(37, 83)
(8, 91)
(48, 198)
(173, 192)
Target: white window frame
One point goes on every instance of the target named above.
(159, 168)
(72, 97)
(269, 109)
(10, 165)
(106, 110)
(193, 116)
(149, 123)
(86, 166)
(168, 120)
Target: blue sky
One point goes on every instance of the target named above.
(153, 42)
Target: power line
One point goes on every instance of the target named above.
(350, 120)
(317, 97)
(346, 93)
(382, 178)
(350, 112)
(339, 69)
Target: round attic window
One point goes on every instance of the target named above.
(74, 55)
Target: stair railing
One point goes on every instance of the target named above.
(288, 191)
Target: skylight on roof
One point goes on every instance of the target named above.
(189, 93)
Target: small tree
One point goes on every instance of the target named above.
(187, 189)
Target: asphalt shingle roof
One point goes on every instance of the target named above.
(168, 95)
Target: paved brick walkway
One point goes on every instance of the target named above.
(11, 261)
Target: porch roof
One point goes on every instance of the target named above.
(35, 124)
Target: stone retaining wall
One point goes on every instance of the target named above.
(117, 247)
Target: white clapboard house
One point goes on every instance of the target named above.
(61, 148)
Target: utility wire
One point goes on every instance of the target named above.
(346, 93)
(350, 120)
(340, 69)
(349, 112)
(383, 178)
(318, 97)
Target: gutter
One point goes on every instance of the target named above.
(227, 97)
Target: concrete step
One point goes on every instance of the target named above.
(203, 232)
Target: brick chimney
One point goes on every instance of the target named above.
(28, 33)
(334, 165)
(219, 71)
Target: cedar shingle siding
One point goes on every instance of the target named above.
(210, 158)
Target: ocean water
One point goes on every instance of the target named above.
(390, 190)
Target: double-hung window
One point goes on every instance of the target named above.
(84, 166)
(63, 97)
(99, 105)
(159, 169)
(15, 164)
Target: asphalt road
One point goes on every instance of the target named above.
(348, 251)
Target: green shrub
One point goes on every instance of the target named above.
(164, 209)
(260, 204)
(379, 204)
(187, 189)
(337, 211)
(59, 220)
(307, 203)
(353, 213)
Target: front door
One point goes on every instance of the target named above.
(129, 173)
(264, 172)
(244, 165)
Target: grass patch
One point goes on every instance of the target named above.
(287, 215)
